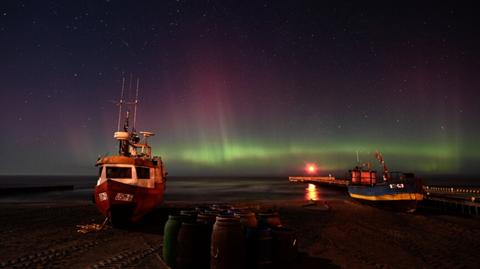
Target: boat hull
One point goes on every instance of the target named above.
(125, 203)
(402, 196)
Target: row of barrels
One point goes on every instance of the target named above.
(233, 239)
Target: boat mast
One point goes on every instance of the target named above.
(135, 107)
(122, 135)
(379, 157)
(120, 105)
(128, 138)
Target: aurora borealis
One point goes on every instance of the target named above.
(242, 87)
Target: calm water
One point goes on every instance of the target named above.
(195, 189)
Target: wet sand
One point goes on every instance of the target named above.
(333, 234)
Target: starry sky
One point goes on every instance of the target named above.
(242, 87)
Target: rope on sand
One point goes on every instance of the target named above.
(315, 205)
(94, 227)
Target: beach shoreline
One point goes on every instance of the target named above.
(331, 234)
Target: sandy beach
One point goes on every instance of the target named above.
(333, 234)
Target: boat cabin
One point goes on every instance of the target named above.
(133, 171)
(363, 176)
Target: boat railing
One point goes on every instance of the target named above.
(143, 150)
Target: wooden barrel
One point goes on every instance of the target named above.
(269, 219)
(237, 209)
(192, 214)
(170, 233)
(213, 212)
(193, 246)
(228, 244)
(221, 209)
(201, 209)
(284, 247)
(208, 218)
(227, 217)
(259, 248)
(247, 219)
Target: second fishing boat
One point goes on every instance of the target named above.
(396, 190)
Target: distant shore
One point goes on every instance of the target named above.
(331, 234)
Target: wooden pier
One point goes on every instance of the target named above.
(329, 181)
(458, 200)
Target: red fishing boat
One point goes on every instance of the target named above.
(132, 183)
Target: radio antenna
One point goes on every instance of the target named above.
(135, 106)
(120, 105)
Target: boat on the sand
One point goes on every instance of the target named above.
(132, 183)
(397, 190)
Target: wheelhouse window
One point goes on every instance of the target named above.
(143, 172)
(100, 169)
(119, 172)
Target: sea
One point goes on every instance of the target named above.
(179, 189)
(190, 189)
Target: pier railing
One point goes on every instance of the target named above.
(459, 191)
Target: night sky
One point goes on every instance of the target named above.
(242, 87)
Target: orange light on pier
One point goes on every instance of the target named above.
(311, 193)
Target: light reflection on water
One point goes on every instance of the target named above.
(311, 193)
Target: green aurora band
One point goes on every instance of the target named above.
(267, 159)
